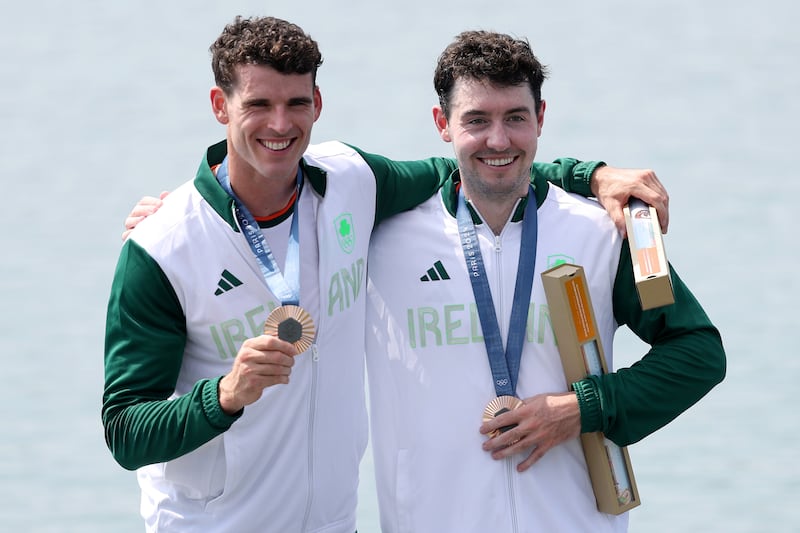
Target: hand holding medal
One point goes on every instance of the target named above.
(497, 407)
(261, 362)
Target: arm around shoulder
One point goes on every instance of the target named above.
(570, 174)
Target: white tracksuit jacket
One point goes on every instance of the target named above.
(430, 378)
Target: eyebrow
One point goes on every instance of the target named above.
(266, 101)
(512, 111)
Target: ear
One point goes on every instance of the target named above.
(540, 118)
(219, 104)
(317, 102)
(440, 120)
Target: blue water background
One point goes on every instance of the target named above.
(103, 102)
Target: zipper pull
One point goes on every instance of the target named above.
(314, 352)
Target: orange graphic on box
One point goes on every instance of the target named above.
(648, 261)
(579, 306)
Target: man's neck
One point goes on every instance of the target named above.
(495, 211)
(263, 196)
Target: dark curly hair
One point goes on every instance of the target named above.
(263, 41)
(483, 55)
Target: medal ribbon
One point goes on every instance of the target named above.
(504, 365)
(285, 287)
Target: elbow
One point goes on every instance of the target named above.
(116, 442)
(118, 453)
(719, 358)
(123, 461)
(722, 365)
(714, 362)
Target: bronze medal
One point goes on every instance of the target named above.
(498, 406)
(291, 323)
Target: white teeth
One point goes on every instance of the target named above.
(276, 145)
(498, 162)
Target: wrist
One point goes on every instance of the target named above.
(227, 400)
(595, 172)
(589, 405)
(215, 413)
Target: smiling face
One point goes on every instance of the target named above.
(494, 130)
(269, 117)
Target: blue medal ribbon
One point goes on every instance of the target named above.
(504, 364)
(285, 287)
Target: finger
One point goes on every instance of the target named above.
(618, 217)
(146, 209)
(132, 221)
(152, 200)
(654, 193)
(663, 213)
(659, 199)
(511, 443)
(614, 209)
(497, 442)
(267, 343)
(536, 454)
(271, 364)
(663, 219)
(499, 425)
(504, 438)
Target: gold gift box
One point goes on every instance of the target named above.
(581, 351)
(650, 268)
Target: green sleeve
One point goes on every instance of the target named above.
(570, 174)
(403, 185)
(145, 339)
(686, 360)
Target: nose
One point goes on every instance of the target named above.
(279, 120)
(497, 137)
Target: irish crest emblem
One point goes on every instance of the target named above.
(345, 232)
(558, 259)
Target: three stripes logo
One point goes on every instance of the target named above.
(436, 273)
(227, 282)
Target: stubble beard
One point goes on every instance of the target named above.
(507, 189)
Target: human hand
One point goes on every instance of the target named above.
(262, 362)
(146, 207)
(542, 421)
(614, 186)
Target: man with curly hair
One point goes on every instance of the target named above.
(463, 322)
(234, 360)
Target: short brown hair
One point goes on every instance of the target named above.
(496, 57)
(263, 41)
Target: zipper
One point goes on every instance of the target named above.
(311, 416)
(500, 304)
(500, 312)
(501, 315)
(512, 501)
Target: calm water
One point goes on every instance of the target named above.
(104, 103)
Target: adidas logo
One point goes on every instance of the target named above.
(436, 273)
(226, 283)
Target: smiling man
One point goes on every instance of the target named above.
(234, 358)
(440, 349)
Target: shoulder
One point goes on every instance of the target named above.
(558, 198)
(329, 149)
(336, 157)
(576, 214)
(179, 207)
